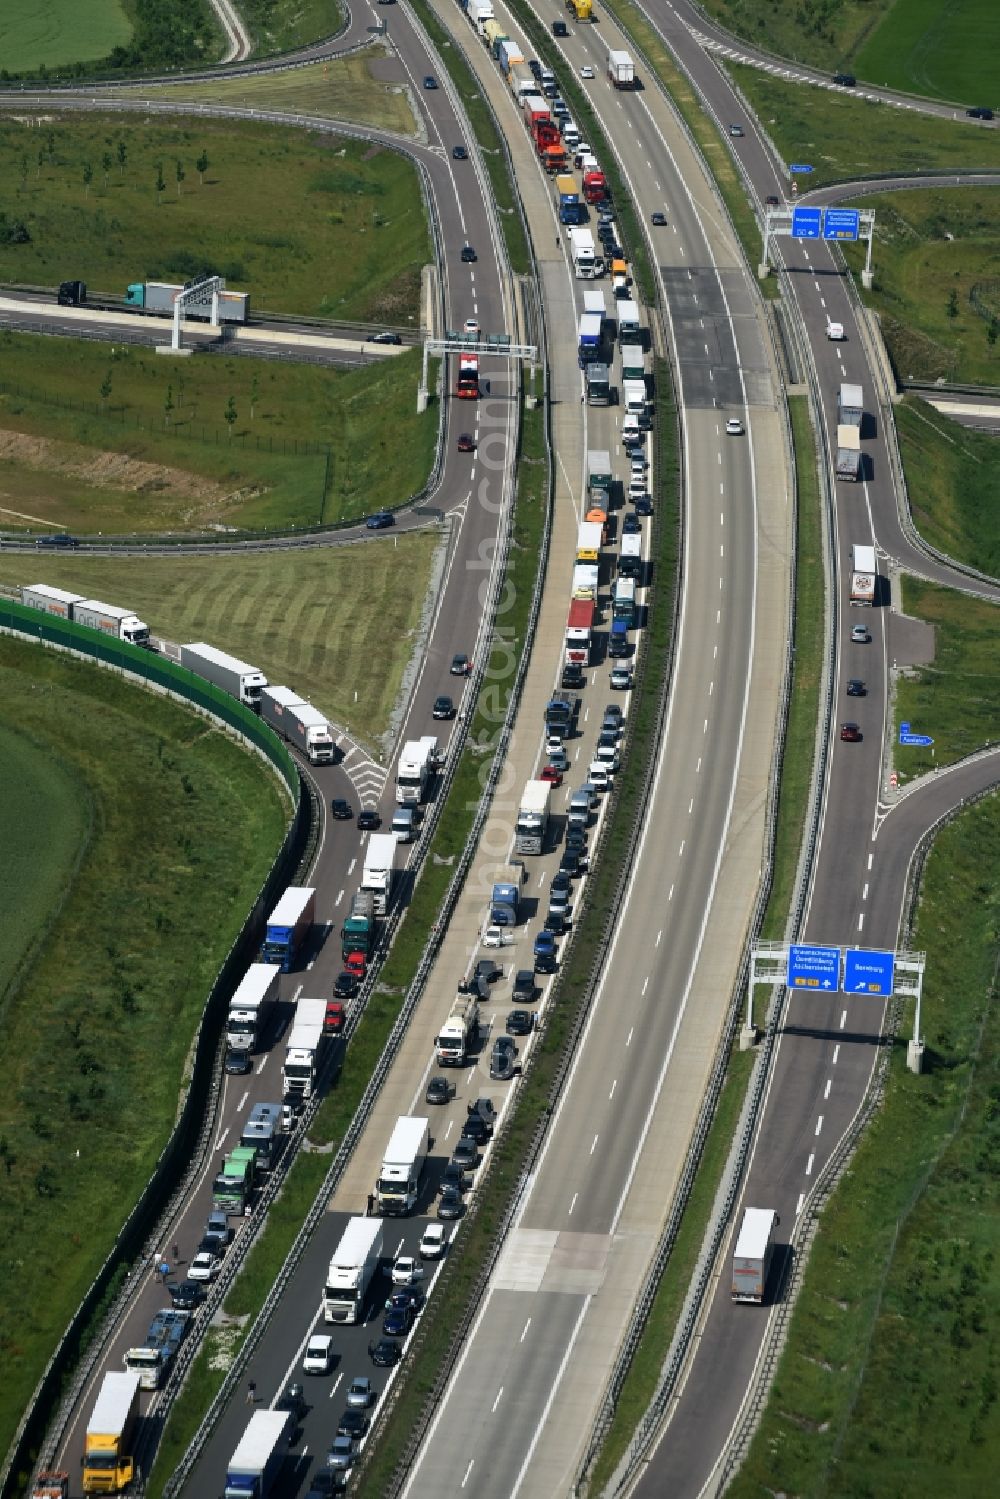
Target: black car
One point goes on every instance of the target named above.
(341, 809)
(520, 1023)
(856, 688)
(212, 1244)
(454, 1176)
(443, 707)
(369, 820)
(555, 922)
(61, 539)
(546, 962)
(386, 338)
(631, 524)
(489, 970)
(466, 1153)
(559, 28)
(440, 1090)
(846, 80)
(486, 1109)
(979, 112)
(576, 839)
(569, 864)
(327, 1481)
(561, 884)
(293, 1399)
(385, 1353)
(411, 1296)
(187, 1295)
(459, 153)
(469, 256)
(503, 1059)
(644, 505)
(534, 67)
(352, 1424)
(572, 675)
(477, 1128)
(613, 717)
(346, 987)
(659, 219)
(525, 991)
(450, 1204)
(460, 666)
(238, 1061)
(430, 81)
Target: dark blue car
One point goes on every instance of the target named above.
(380, 520)
(397, 1322)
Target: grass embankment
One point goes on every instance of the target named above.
(96, 1032)
(112, 441)
(299, 616)
(641, 1380)
(716, 150)
(353, 87)
(956, 698)
(822, 33)
(433, 1343)
(487, 137)
(52, 33)
(161, 34)
(888, 1381)
(279, 25)
(350, 240)
(953, 478)
(843, 137)
(936, 292)
(368, 1042)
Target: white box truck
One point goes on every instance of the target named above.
(297, 721)
(532, 818)
(621, 70)
(352, 1269)
(239, 678)
(863, 575)
(379, 872)
(252, 1006)
(254, 1467)
(753, 1253)
(586, 264)
(629, 323)
(398, 1184)
(56, 601)
(848, 453)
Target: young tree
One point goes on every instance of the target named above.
(50, 145)
(88, 176)
(254, 392)
(201, 166)
(105, 389)
(230, 416)
(953, 303)
(106, 163)
(160, 180)
(40, 161)
(122, 157)
(168, 406)
(24, 172)
(181, 174)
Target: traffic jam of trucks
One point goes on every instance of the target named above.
(158, 298)
(850, 422)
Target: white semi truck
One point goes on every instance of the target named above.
(458, 1032)
(354, 1266)
(417, 764)
(239, 678)
(532, 818)
(299, 722)
(753, 1253)
(301, 1064)
(252, 1005)
(109, 619)
(379, 871)
(152, 1361)
(586, 263)
(398, 1186)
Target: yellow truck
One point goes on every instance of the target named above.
(108, 1464)
(580, 10)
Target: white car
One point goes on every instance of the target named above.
(407, 1271)
(433, 1242)
(586, 71)
(319, 1354)
(495, 936)
(734, 428)
(471, 328)
(204, 1267)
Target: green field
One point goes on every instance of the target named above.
(53, 33)
(349, 242)
(953, 479)
(278, 25)
(937, 281)
(97, 1033)
(887, 1385)
(947, 49)
(108, 440)
(344, 88)
(822, 33)
(306, 618)
(45, 818)
(844, 137)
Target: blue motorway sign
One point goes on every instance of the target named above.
(806, 223)
(813, 968)
(798, 167)
(841, 223)
(868, 972)
(920, 740)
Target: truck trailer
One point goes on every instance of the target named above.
(586, 263)
(456, 1035)
(358, 932)
(589, 337)
(630, 556)
(417, 763)
(588, 542)
(252, 1005)
(623, 600)
(850, 406)
(254, 1467)
(288, 926)
(505, 895)
(152, 1360)
(621, 70)
(160, 297)
(352, 1269)
(753, 1252)
(298, 722)
(599, 469)
(579, 630)
(863, 575)
(379, 873)
(532, 818)
(239, 678)
(585, 580)
(108, 1445)
(398, 1186)
(848, 453)
(305, 1041)
(109, 619)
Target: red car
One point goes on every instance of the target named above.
(333, 1022)
(356, 963)
(466, 442)
(850, 732)
(552, 775)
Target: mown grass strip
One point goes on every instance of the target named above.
(641, 1380)
(888, 1380)
(334, 1116)
(463, 1269)
(487, 138)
